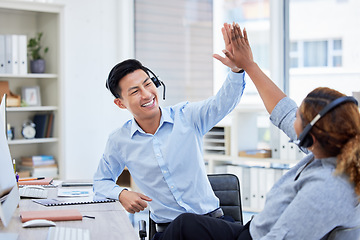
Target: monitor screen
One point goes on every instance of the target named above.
(9, 192)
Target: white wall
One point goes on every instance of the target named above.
(96, 38)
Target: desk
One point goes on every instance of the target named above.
(111, 220)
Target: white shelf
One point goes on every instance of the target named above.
(246, 160)
(32, 109)
(32, 141)
(30, 75)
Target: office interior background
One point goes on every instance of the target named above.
(300, 44)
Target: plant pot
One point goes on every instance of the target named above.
(37, 66)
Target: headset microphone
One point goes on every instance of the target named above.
(156, 81)
(305, 140)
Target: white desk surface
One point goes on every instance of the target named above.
(111, 220)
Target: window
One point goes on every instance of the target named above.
(324, 49)
(255, 16)
(326, 53)
(174, 39)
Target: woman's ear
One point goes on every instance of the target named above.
(118, 103)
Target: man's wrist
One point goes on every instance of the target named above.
(237, 70)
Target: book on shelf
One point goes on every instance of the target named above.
(39, 160)
(44, 124)
(40, 171)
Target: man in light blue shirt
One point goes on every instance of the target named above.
(162, 147)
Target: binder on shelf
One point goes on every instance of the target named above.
(284, 146)
(8, 54)
(2, 54)
(270, 179)
(22, 47)
(254, 188)
(245, 197)
(262, 188)
(12, 54)
(275, 141)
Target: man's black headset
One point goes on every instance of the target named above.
(154, 79)
(305, 140)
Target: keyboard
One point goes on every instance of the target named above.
(30, 192)
(68, 233)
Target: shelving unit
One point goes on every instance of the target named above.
(256, 175)
(28, 18)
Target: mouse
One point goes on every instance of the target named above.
(39, 223)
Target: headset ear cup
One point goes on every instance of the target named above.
(308, 141)
(156, 81)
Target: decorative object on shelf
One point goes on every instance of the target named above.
(37, 62)
(12, 100)
(31, 96)
(28, 130)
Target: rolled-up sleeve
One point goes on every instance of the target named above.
(283, 116)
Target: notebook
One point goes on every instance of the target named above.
(52, 215)
(70, 201)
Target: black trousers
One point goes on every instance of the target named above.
(190, 226)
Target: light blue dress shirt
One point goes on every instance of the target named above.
(311, 206)
(169, 166)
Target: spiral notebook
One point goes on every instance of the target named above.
(59, 202)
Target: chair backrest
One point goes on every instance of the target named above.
(227, 188)
(340, 233)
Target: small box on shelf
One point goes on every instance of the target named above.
(257, 153)
(12, 100)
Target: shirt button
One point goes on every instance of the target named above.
(172, 187)
(164, 171)
(158, 155)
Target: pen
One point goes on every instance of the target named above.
(30, 179)
(14, 164)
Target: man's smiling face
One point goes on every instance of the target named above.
(139, 96)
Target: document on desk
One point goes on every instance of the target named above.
(78, 192)
(71, 201)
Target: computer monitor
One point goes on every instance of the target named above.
(9, 192)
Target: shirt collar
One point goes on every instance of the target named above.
(165, 117)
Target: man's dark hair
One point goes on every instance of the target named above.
(119, 71)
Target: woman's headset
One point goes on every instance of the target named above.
(305, 140)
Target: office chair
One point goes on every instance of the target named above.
(226, 187)
(340, 233)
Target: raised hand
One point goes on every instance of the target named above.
(241, 54)
(228, 48)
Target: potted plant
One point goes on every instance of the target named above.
(36, 53)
